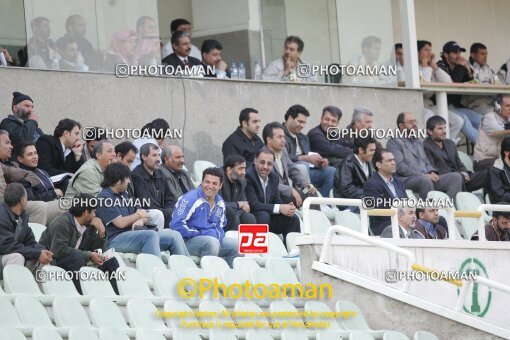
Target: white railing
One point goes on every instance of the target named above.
(375, 285)
(326, 248)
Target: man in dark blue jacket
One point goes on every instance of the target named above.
(382, 185)
(326, 139)
(199, 216)
(17, 241)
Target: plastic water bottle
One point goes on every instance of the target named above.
(55, 64)
(242, 71)
(258, 71)
(233, 71)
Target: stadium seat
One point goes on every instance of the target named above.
(149, 334)
(82, 333)
(183, 335)
(391, 335)
(142, 314)
(221, 313)
(19, 280)
(37, 229)
(165, 283)
(262, 276)
(294, 334)
(134, 284)
(470, 202)
(214, 265)
(284, 307)
(10, 333)
(244, 265)
(256, 316)
(292, 248)
(232, 234)
(146, 263)
(360, 336)
(356, 321)
(438, 195)
(45, 333)
(258, 335)
(468, 162)
(276, 247)
(320, 224)
(411, 194)
(423, 335)
(321, 308)
(104, 313)
(325, 335)
(120, 259)
(179, 264)
(8, 316)
(187, 315)
(281, 270)
(198, 168)
(348, 219)
(233, 276)
(100, 287)
(55, 285)
(112, 334)
(222, 334)
(32, 313)
(68, 312)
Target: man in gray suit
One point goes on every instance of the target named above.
(294, 177)
(178, 179)
(406, 222)
(413, 165)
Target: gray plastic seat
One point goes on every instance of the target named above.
(10, 333)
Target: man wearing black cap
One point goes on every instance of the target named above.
(453, 63)
(22, 124)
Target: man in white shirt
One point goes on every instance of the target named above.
(285, 68)
(181, 25)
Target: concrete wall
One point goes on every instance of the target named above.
(207, 109)
(382, 312)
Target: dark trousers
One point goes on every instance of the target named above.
(75, 261)
(278, 224)
(477, 180)
(236, 217)
(483, 165)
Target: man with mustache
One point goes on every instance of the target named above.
(181, 58)
(90, 175)
(172, 168)
(150, 182)
(22, 124)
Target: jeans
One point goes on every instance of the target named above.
(210, 246)
(323, 178)
(472, 122)
(149, 242)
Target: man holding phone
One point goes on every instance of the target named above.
(75, 237)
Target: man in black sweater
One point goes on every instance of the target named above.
(22, 124)
(150, 182)
(233, 193)
(244, 140)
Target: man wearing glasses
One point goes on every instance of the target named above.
(264, 198)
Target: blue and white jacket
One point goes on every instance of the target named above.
(192, 217)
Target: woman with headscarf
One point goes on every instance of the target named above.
(122, 50)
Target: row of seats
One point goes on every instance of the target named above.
(28, 314)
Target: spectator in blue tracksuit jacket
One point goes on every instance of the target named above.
(199, 216)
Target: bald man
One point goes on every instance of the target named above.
(172, 159)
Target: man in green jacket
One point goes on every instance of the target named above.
(74, 237)
(90, 175)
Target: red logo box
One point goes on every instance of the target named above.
(253, 238)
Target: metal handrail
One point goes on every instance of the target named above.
(481, 280)
(370, 240)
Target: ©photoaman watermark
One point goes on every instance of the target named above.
(315, 70)
(369, 202)
(125, 70)
(394, 275)
(42, 276)
(335, 133)
(66, 203)
(90, 133)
